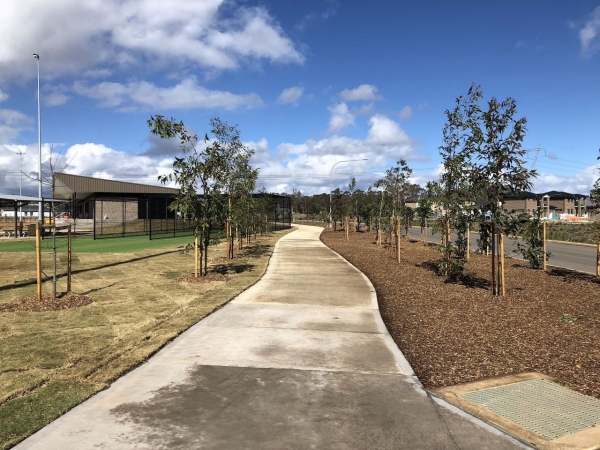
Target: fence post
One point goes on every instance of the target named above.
(69, 252)
(38, 260)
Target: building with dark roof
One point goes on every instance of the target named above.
(113, 208)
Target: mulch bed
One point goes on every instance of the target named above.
(63, 300)
(454, 333)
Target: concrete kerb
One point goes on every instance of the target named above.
(410, 374)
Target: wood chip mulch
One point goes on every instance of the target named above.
(455, 333)
(63, 300)
(209, 277)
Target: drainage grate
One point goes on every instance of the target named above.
(540, 406)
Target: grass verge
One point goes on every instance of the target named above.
(138, 307)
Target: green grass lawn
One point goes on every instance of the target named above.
(85, 244)
(52, 360)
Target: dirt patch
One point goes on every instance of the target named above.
(455, 333)
(64, 300)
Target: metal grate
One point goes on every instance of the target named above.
(541, 406)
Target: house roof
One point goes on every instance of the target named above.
(562, 195)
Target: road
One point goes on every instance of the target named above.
(570, 256)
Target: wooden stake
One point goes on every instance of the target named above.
(398, 231)
(426, 233)
(196, 262)
(468, 243)
(502, 264)
(347, 227)
(38, 260)
(598, 260)
(69, 253)
(544, 237)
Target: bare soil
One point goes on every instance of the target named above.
(457, 332)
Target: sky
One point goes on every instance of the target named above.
(309, 84)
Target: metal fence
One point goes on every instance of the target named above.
(151, 216)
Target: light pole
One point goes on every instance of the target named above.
(330, 185)
(20, 153)
(40, 207)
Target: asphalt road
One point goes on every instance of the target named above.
(570, 256)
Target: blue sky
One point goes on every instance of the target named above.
(309, 83)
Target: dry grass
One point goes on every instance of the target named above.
(138, 305)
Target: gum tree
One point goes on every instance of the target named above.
(454, 193)
(235, 177)
(394, 190)
(207, 170)
(494, 140)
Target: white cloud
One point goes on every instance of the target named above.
(364, 110)
(11, 124)
(589, 33)
(3, 96)
(98, 73)
(385, 131)
(97, 160)
(55, 99)
(331, 10)
(406, 113)
(185, 95)
(577, 183)
(290, 95)
(307, 165)
(365, 92)
(340, 118)
(97, 37)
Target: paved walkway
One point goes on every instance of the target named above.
(301, 360)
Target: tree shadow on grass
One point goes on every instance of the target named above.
(78, 271)
(226, 269)
(258, 250)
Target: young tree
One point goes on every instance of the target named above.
(454, 193)
(235, 177)
(407, 214)
(198, 170)
(532, 245)
(395, 189)
(351, 207)
(495, 139)
(424, 210)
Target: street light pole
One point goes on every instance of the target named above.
(40, 207)
(330, 186)
(20, 153)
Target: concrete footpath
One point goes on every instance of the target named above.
(301, 360)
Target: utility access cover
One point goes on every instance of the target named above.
(541, 406)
